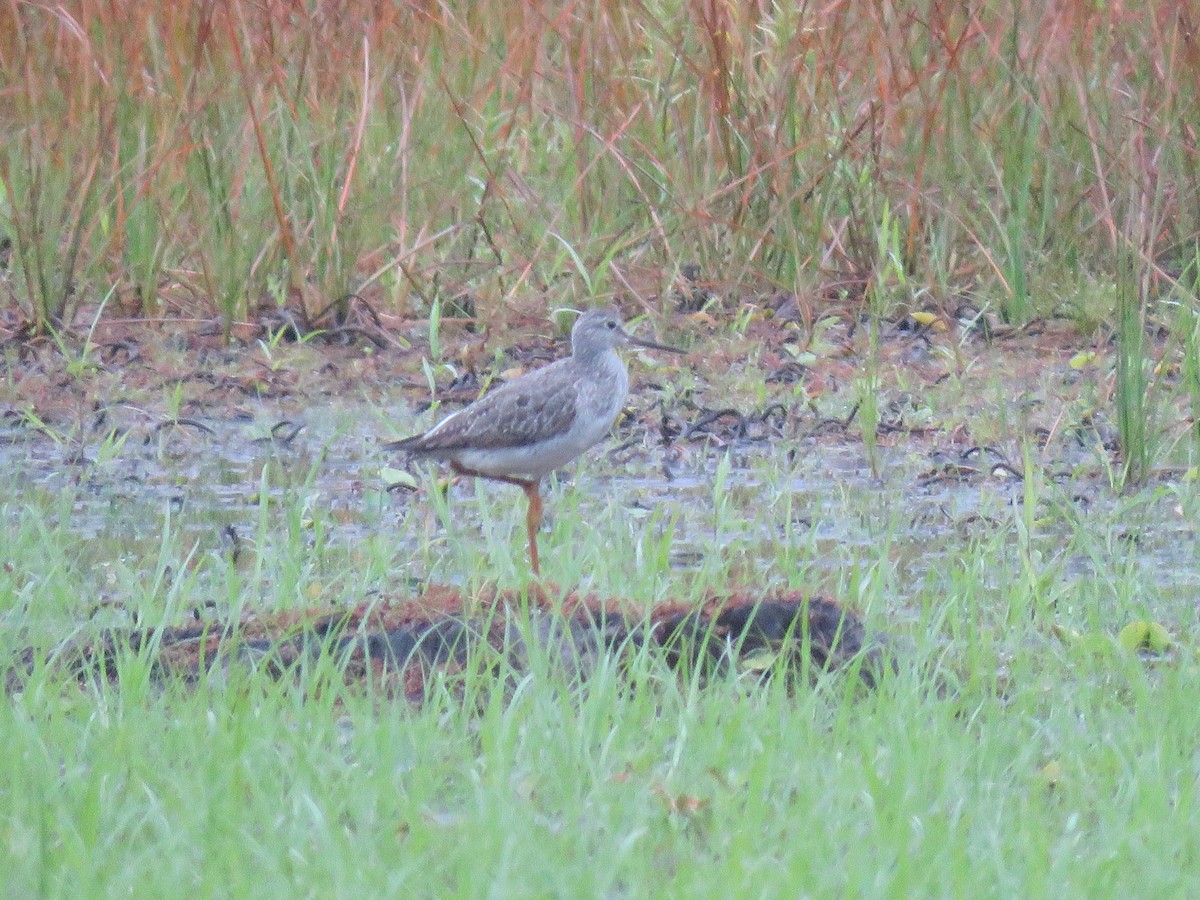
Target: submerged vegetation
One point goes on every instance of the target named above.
(937, 267)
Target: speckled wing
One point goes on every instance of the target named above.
(521, 413)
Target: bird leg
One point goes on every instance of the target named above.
(533, 518)
(533, 521)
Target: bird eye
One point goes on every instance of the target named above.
(611, 324)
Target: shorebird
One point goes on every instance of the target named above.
(527, 428)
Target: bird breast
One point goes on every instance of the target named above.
(601, 399)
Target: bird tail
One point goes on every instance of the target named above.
(408, 444)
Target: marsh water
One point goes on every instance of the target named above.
(117, 478)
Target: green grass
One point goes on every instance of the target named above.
(1016, 751)
(250, 789)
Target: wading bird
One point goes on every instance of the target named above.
(537, 423)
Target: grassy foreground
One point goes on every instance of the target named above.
(1018, 750)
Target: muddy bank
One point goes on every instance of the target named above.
(399, 645)
(139, 423)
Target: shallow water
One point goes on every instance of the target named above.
(817, 494)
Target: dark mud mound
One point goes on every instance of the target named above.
(401, 644)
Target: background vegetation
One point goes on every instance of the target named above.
(202, 158)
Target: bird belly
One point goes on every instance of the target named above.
(532, 462)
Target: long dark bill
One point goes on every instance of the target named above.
(651, 345)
